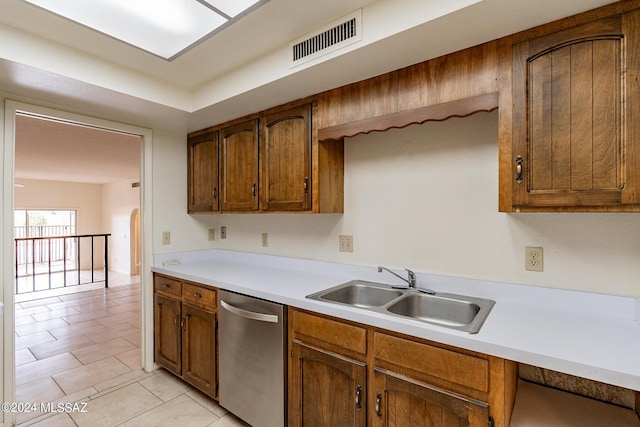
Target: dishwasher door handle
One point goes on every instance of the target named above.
(262, 317)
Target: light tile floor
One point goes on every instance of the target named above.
(84, 347)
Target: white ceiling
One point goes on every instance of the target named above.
(49, 60)
(55, 151)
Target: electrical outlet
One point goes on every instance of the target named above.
(346, 243)
(533, 258)
(265, 240)
(166, 237)
(212, 234)
(223, 232)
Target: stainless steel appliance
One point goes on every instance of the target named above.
(251, 337)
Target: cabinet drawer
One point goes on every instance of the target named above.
(167, 286)
(328, 333)
(199, 296)
(458, 368)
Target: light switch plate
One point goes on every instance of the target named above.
(166, 237)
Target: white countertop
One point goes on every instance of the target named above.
(593, 336)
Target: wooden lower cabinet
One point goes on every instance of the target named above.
(347, 374)
(168, 333)
(185, 340)
(199, 348)
(327, 389)
(402, 401)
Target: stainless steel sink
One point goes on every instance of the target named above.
(449, 310)
(453, 311)
(359, 293)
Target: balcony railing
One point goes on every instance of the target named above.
(59, 261)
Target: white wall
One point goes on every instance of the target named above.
(119, 200)
(86, 199)
(101, 209)
(425, 198)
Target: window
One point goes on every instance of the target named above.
(44, 223)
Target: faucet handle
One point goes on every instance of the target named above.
(412, 278)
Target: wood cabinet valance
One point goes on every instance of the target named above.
(455, 85)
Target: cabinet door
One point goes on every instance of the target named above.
(326, 389)
(285, 156)
(199, 349)
(399, 401)
(203, 190)
(239, 167)
(167, 334)
(570, 146)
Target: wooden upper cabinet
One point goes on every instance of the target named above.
(203, 189)
(239, 167)
(269, 162)
(575, 107)
(285, 156)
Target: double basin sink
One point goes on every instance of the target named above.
(452, 311)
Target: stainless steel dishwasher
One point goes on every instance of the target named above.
(251, 343)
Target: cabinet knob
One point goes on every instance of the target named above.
(519, 161)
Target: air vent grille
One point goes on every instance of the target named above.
(324, 40)
(334, 36)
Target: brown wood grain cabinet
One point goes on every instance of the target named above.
(168, 333)
(402, 401)
(285, 159)
(239, 167)
(328, 389)
(339, 369)
(575, 139)
(202, 168)
(327, 372)
(185, 341)
(269, 162)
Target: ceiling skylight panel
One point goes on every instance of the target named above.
(163, 27)
(232, 7)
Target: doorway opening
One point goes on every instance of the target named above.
(116, 206)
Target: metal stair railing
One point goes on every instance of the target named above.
(48, 254)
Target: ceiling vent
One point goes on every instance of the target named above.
(332, 37)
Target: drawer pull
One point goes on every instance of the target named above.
(167, 286)
(197, 294)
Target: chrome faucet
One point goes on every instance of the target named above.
(411, 281)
